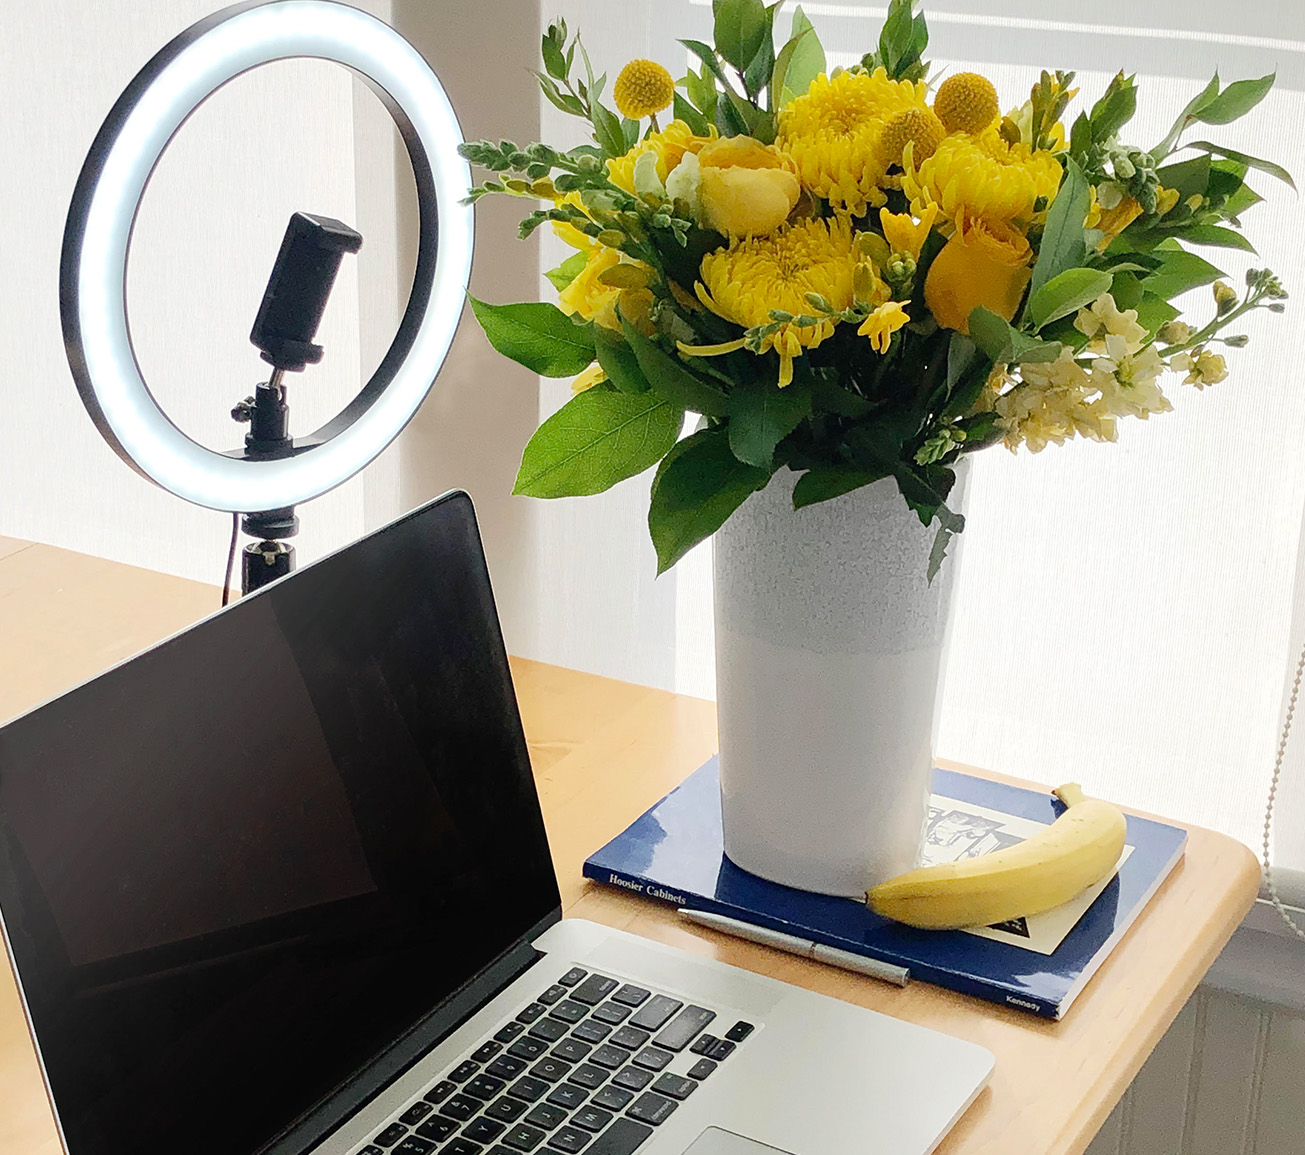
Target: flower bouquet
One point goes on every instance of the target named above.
(854, 273)
(856, 278)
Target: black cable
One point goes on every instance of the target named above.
(231, 558)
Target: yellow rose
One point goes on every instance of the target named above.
(593, 297)
(744, 188)
(985, 263)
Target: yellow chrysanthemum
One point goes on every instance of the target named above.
(745, 281)
(981, 177)
(834, 134)
(880, 325)
(670, 145)
(966, 102)
(642, 89)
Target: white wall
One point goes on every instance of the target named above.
(278, 139)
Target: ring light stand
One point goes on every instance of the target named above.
(272, 472)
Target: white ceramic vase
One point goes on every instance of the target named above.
(829, 641)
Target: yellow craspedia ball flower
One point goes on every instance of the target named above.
(642, 89)
(966, 102)
(833, 134)
(670, 145)
(981, 176)
(919, 128)
(745, 281)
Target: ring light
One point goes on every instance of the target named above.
(92, 286)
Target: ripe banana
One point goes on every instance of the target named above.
(1077, 850)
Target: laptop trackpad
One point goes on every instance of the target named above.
(714, 1141)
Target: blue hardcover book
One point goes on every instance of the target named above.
(674, 853)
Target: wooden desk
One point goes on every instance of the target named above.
(603, 752)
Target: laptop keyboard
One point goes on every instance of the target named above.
(580, 1069)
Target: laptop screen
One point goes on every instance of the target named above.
(237, 867)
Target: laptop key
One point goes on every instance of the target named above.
(460, 1107)
(414, 1146)
(704, 1044)
(633, 1077)
(506, 1067)
(651, 1108)
(554, 994)
(591, 1031)
(509, 1031)
(527, 1048)
(570, 1011)
(484, 1087)
(438, 1129)
(610, 1056)
(630, 1037)
(572, 1050)
(528, 1088)
(589, 1076)
(702, 1068)
(682, 1029)
(532, 1012)
(613, 1098)
(550, 1068)
(655, 1013)
(523, 1137)
(654, 1058)
(371, 1150)
(567, 1095)
(482, 1130)
(721, 1049)
(739, 1031)
(594, 989)
(391, 1135)
(612, 1013)
(416, 1113)
(550, 1030)
(462, 1147)
(505, 1110)
(675, 1086)
(572, 977)
(591, 1118)
(623, 1137)
(631, 996)
(463, 1071)
(547, 1116)
(486, 1051)
(570, 1140)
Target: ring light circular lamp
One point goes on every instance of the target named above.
(107, 197)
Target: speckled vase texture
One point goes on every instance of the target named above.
(829, 641)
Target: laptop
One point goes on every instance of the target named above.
(281, 885)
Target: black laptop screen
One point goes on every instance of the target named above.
(237, 867)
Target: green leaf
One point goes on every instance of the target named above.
(967, 370)
(1268, 166)
(1153, 311)
(903, 40)
(539, 336)
(1179, 271)
(707, 54)
(696, 491)
(1195, 105)
(554, 61)
(948, 528)
(823, 484)
(670, 379)
(567, 271)
(828, 396)
(1063, 246)
(596, 439)
(1115, 108)
(1189, 177)
(608, 131)
(801, 60)
(762, 66)
(761, 416)
(691, 116)
(1002, 344)
(1238, 202)
(1235, 101)
(1218, 236)
(1066, 293)
(740, 26)
(1080, 136)
(618, 361)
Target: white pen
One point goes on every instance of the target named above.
(791, 944)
